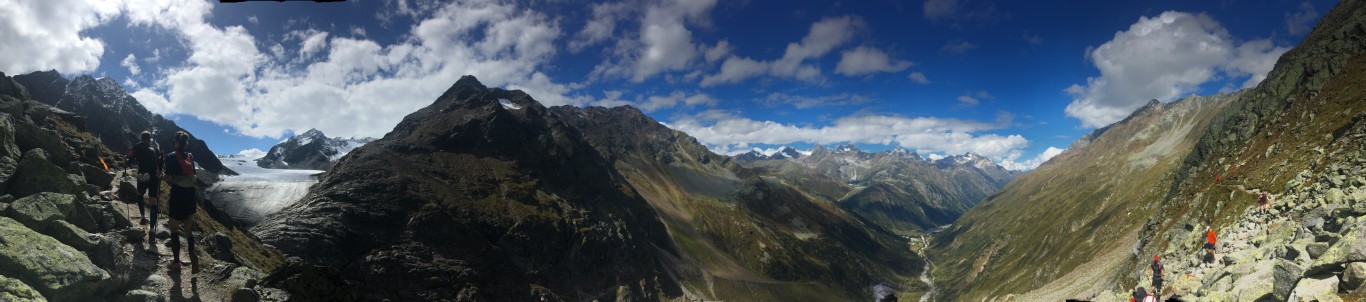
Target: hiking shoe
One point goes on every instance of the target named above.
(143, 221)
(175, 265)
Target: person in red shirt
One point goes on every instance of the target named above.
(1209, 244)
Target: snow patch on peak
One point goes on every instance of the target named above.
(508, 104)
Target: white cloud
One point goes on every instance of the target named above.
(664, 42)
(723, 130)
(823, 37)
(676, 98)
(721, 49)
(1010, 162)
(1302, 21)
(131, 62)
(46, 34)
(958, 47)
(602, 26)
(253, 20)
(313, 42)
(971, 99)
(918, 78)
(804, 102)
(156, 56)
(153, 101)
(866, 60)
(252, 153)
(1163, 57)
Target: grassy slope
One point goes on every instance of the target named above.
(1283, 127)
(1080, 204)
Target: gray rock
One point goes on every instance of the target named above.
(1311, 289)
(14, 290)
(58, 271)
(109, 254)
(139, 295)
(96, 176)
(1286, 274)
(1350, 248)
(219, 247)
(1316, 249)
(35, 173)
(244, 294)
(1352, 278)
(7, 146)
(70, 235)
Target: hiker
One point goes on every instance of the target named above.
(146, 155)
(1157, 276)
(1141, 295)
(182, 200)
(1209, 244)
(1262, 202)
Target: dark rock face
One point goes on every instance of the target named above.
(310, 151)
(470, 199)
(112, 115)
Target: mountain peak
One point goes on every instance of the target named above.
(313, 132)
(463, 87)
(847, 148)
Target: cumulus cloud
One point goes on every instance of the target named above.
(1163, 58)
(131, 62)
(602, 26)
(1011, 163)
(46, 34)
(971, 99)
(722, 130)
(867, 60)
(252, 153)
(1302, 21)
(663, 43)
(918, 78)
(823, 37)
(313, 42)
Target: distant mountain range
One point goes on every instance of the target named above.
(897, 189)
(310, 150)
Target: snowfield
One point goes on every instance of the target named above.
(258, 192)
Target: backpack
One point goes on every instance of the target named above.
(146, 156)
(1157, 270)
(180, 169)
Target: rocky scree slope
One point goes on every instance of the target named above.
(1296, 136)
(895, 189)
(64, 236)
(111, 114)
(310, 150)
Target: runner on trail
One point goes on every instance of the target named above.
(1157, 276)
(1262, 202)
(1209, 245)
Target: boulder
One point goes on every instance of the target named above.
(14, 290)
(36, 174)
(7, 146)
(1316, 249)
(96, 176)
(1256, 285)
(1312, 289)
(56, 270)
(243, 294)
(28, 137)
(1352, 278)
(139, 295)
(7, 168)
(38, 210)
(109, 254)
(1349, 248)
(1286, 274)
(219, 247)
(70, 235)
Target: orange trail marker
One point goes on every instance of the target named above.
(106, 166)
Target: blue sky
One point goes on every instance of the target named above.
(1016, 81)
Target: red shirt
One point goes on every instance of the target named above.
(1210, 234)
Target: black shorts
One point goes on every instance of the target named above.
(1209, 246)
(182, 203)
(151, 187)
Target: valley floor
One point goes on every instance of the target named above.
(258, 192)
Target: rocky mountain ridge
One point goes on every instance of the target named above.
(489, 191)
(110, 113)
(311, 150)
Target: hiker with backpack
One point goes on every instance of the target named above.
(1262, 202)
(146, 156)
(183, 199)
(1157, 276)
(1209, 245)
(1141, 295)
